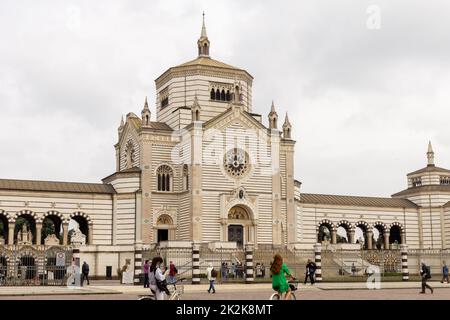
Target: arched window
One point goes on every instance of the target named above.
(213, 94)
(185, 177)
(165, 178)
(228, 97)
(130, 154)
(197, 115)
(217, 94)
(222, 96)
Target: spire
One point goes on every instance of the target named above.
(122, 123)
(273, 117)
(287, 128)
(430, 154)
(203, 34)
(203, 42)
(146, 115)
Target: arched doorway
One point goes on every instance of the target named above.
(51, 224)
(164, 228)
(3, 229)
(344, 232)
(25, 229)
(362, 235)
(325, 232)
(239, 225)
(395, 236)
(379, 233)
(79, 229)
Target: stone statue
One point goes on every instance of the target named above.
(51, 240)
(78, 238)
(25, 236)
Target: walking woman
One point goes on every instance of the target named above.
(279, 282)
(155, 274)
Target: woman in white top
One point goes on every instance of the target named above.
(155, 273)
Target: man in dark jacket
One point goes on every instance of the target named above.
(310, 271)
(85, 273)
(425, 273)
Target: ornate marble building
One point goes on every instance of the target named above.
(207, 169)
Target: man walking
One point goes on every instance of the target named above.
(425, 273)
(84, 273)
(211, 274)
(310, 271)
(444, 272)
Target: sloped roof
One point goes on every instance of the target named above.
(430, 168)
(428, 188)
(137, 124)
(355, 201)
(205, 61)
(54, 186)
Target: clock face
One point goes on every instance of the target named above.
(236, 162)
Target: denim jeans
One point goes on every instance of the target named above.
(211, 286)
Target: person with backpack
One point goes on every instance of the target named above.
(146, 270)
(310, 271)
(157, 281)
(425, 273)
(211, 274)
(444, 272)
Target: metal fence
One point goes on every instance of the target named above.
(229, 263)
(434, 258)
(355, 265)
(181, 257)
(34, 265)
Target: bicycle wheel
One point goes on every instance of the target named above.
(275, 296)
(175, 296)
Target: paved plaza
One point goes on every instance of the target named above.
(262, 291)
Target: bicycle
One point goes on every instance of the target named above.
(279, 296)
(174, 290)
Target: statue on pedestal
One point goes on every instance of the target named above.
(78, 238)
(25, 236)
(51, 240)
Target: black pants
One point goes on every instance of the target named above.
(425, 285)
(445, 278)
(146, 283)
(84, 276)
(311, 278)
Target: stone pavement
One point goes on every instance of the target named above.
(116, 288)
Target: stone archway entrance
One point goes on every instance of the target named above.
(240, 226)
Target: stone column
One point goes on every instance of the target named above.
(65, 233)
(369, 240)
(288, 147)
(318, 261)
(405, 271)
(249, 276)
(403, 237)
(386, 240)
(137, 262)
(196, 181)
(11, 227)
(38, 233)
(333, 236)
(351, 235)
(276, 188)
(195, 263)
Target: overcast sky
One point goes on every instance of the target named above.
(366, 83)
